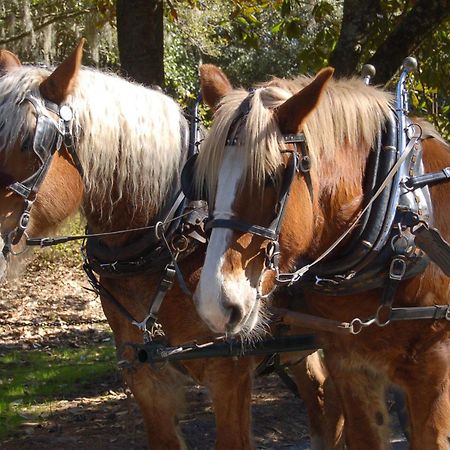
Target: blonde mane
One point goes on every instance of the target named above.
(129, 138)
(349, 113)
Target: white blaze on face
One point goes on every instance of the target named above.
(217, 292)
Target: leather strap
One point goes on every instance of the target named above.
(435, 246)
(436, 312)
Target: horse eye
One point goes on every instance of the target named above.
(270, 181)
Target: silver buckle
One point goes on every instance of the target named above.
(397, 269)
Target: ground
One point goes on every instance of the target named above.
(48, 309)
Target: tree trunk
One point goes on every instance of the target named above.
(359, 16)
(141, 40)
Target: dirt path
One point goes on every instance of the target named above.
(49, 308)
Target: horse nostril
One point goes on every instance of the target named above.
(236, 315)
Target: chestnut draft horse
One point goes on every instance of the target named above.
(301, 149)
(128, 142)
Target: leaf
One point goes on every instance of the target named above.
(278, 27)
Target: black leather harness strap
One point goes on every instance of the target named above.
(428, 179)
(436, 312)
(434, 245)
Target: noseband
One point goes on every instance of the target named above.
(47, 140)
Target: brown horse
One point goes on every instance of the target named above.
(286, 164)
(129, 143)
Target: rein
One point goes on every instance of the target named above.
(56, 240)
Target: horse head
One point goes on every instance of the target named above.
(283, 166)
(40, 185)
(245, 164)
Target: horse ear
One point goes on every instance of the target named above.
(293, 112)
(61, 81)
(8, 61)
(214, 84)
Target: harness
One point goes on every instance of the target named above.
(175, 235)
(404, 221)
(389, 234)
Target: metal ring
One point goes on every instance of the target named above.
(159, 230)
(26, 248)
(180, 243)
(379, 322)
(356, 325)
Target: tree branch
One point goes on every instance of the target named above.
(418, 23)
(69, 15)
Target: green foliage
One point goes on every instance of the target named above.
(45, 31)
(251, 40)
(36, 378)
(430, 96)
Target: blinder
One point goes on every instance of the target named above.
(187, 181)
(47, 140)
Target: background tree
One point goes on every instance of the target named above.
(250, 39)
(140, 32)
(44, 31)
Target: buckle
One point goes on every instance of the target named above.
(294, 138)
(305, 163)
(24, 220)
(397, 269)
(272, 255)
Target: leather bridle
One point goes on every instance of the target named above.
(271, 232)
(49, 135)
(299, 161)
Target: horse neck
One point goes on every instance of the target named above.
(59, 196)
(104, 216)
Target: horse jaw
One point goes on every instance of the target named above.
(225, 300)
